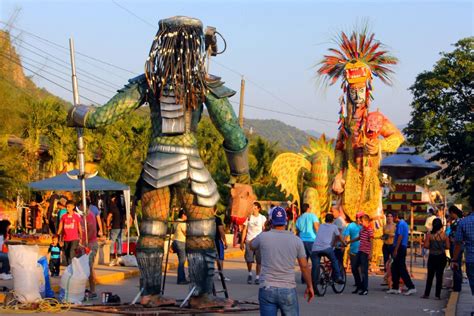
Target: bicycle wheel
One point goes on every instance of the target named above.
(339, 287)
(321, 286)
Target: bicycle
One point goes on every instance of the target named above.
(326, 278)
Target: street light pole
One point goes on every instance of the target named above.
(80, 138)
(241, 104)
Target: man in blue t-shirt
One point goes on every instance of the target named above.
(352, 230)
(306, 228)
(399, 267)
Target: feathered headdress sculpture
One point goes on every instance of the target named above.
(356, 61)
(358, 56)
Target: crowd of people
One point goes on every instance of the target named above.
(275, 241)
(62, 219)
(270, 243)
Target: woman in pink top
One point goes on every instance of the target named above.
(92, 247)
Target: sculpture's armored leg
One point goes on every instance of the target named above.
(201, 251)
(155, 205)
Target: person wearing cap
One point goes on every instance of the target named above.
(324, 246)
(279, 248)
(352, 232)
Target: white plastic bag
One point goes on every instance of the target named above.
(129, 261)
(24, 268)
(74, 280)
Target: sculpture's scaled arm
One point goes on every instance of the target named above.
(223, 117)
(127, 99)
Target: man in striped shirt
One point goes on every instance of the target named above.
(366, 237)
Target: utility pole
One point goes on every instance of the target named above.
(80, 139)
(241, 104)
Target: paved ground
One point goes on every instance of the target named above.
(465, 305)
(376, 303)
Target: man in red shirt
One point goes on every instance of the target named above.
(70, 230)
(366, 237)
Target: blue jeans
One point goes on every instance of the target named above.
(272, 299)
(470, 275)
(355, 270)
(363, 264)
(457, 273)
(180, 248)
(5, 268)
(116, 235)
(307, 248)
(316, 262)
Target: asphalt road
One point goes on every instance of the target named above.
(376, 303)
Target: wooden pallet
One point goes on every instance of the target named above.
(136, 309)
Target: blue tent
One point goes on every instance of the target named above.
(63, 183)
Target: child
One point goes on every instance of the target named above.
(70, 228)
(366, 237)
(55, 258)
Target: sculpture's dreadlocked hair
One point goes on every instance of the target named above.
(176, 61)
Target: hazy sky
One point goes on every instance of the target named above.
(274, 44)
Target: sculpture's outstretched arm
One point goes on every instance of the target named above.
(393, 138)
(223, 116)
(127, 99)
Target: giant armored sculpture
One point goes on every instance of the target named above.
(351, 172)
(175, 86)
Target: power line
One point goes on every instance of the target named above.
(286, 113)
(129, 11)
(22, 57)
(49, 80)
(58, 61)
(222, 65)
(54, 75)
(67, 49)
(259, 86)
(66, 63)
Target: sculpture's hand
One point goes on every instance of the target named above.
(242, 179)
(372, 146)
(76, 116)
(338, 183)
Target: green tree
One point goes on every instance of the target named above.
(121, 148)
(442, 116)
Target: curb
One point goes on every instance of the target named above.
(452, 304)
(118, 276)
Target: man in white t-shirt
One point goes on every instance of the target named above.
(341, 224)
(429, 219)
(324, 246)
(253, 226)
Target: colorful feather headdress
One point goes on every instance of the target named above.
(356, 61)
